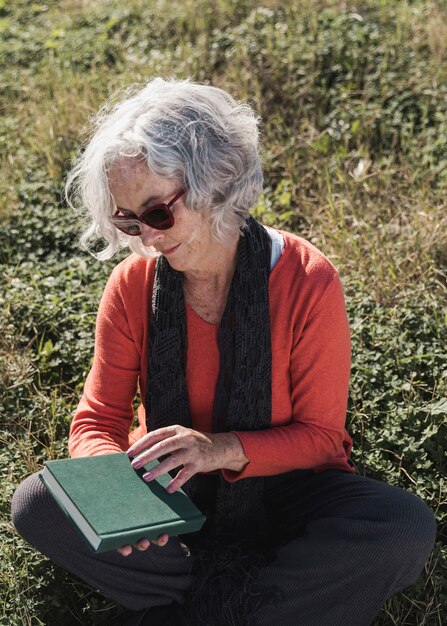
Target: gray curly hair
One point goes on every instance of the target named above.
(195, 134)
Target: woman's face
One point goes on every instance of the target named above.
(189, 244)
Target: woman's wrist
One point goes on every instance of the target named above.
(230, 450)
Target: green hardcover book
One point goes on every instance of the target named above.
(111, 504)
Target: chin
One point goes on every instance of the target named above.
(178, 266)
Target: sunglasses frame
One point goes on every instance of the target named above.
(116, 219)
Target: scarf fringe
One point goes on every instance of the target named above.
(224, 592)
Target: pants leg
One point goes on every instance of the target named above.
(349, 543)
(154, 577)
(346, 543)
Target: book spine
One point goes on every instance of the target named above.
(111, 542)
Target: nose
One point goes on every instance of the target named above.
(149, 235)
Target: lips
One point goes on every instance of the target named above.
(170, 250)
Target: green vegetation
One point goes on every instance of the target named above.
(354, 102)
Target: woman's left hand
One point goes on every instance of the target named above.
(188, 449)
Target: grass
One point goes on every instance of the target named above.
(353, 101)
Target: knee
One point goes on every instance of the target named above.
(30, 506)
(410, 533)
(414, 522)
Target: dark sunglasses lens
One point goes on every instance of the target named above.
(161, 219)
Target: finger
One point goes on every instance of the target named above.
(125, 550)
(143, 443)
(170, 463)
(181, 478)
(150, 439)
(163, 448)
(162, 540)
(143, 544)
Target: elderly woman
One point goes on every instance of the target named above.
(235, 335)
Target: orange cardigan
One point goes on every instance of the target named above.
(310, 367)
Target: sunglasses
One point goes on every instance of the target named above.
(158, 216)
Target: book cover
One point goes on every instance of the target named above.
(111, 504)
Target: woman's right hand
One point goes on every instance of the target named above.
(144, 544)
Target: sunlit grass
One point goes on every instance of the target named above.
(353, 99)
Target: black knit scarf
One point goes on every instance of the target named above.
(243, 390)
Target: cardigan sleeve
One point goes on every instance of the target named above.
(319, 373)
(105, 412)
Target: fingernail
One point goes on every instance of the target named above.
(130, 452)
(148, 476)
(136, 464)
(170, 489)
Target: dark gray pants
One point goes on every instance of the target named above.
(343, 545)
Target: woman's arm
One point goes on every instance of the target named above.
(105, 413)
(319, 380)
